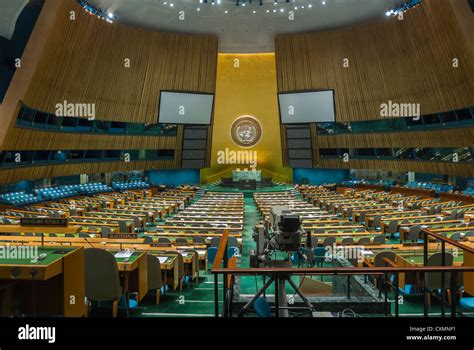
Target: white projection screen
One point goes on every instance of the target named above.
(307, 107)
(185, 108)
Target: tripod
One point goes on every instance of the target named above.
(281, 303)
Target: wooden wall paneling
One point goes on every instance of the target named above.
(407, 61)
(458, 169)
(84, 62)
(454, 137)
(40, 172)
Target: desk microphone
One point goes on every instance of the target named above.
(87, 241)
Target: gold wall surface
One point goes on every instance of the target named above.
(246, 85)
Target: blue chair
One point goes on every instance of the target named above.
(262, 308)
(319, 256)
(132, 303)
(211, 256)
(467, 303)
(232, 251)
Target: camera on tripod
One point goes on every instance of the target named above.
(286, 227)
(282, 232)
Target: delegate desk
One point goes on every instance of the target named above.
(415, 259)
(134, 273)
(38, 229)
(412, 256)
(53, 286)
(169, 269)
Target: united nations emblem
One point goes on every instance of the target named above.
(246, 131)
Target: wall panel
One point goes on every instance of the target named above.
(404, 61)
(41, 172)
(83, 61)
(456, 137)
(445, 168)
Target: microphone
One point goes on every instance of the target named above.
(85, 239)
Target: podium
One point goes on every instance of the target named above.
(247, 185)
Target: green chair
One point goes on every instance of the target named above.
(102, 281)
(155, 279)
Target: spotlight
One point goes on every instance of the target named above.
(403, 8)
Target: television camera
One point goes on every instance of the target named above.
(282, 232)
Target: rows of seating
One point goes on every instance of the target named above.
(18, 198)
(354, 182)
(130, 185)
(106, 223)
(71, 190)
(403, 224)
(326, 227)
(208, 216)
(469, 191)
(429, 185)
(53, 193)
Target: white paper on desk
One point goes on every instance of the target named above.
(184, 254)
(123, 254)
(162, 259)
(367, 252)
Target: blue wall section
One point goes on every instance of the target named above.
(320, 176)
(26, 186)
(421, 177)
(173, 177)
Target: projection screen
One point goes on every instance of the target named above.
(307, 107)
(185, 108)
